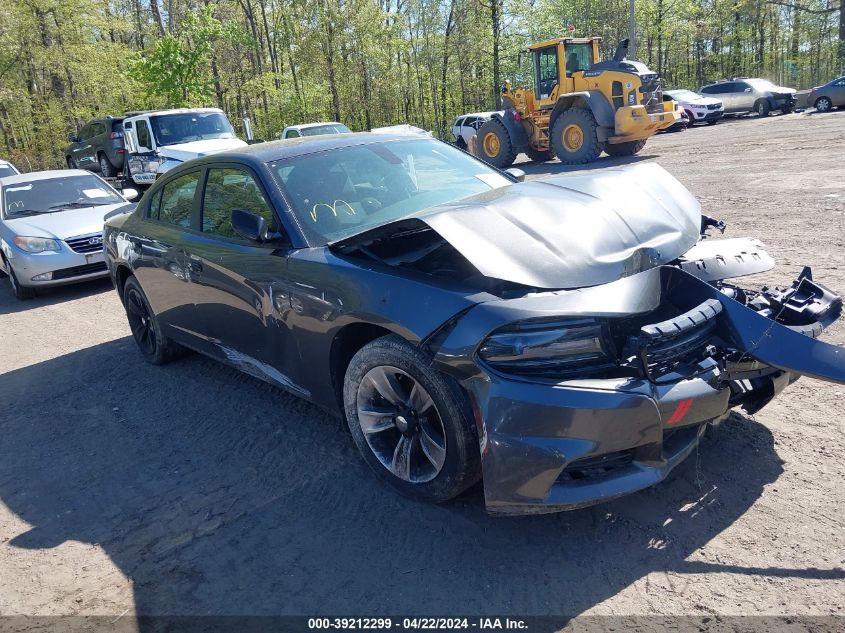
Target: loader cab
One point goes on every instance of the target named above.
(557, 61)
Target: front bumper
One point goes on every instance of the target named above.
(634, 122)
(551, 446)
(43, 270)
(707, 115)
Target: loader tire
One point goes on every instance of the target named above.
(574, 137)
(494, 144)
(538, 155)
(624, 149)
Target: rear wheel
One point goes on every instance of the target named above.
(494, 144)
(538, 155)
(106, 168)
(461, 143)
(762, 108)
(624, 149)
(411, 423)
(574, 137)
(154, 345)
(712, 122)
(824, 104)
(71, 163)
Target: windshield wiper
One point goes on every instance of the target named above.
(78, 205)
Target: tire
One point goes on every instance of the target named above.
(21, 292)
(156, 348)
(106, 168)
(494, 144)
(71, 163)
(713, 122)
(762, 108)
(432, 456)
(581, 144)
(624, 149)
(538, 156)
(461, 143)
(823, 104)
(786, 110)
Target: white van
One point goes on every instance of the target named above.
(160, 140)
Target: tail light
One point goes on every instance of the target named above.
(516, 116)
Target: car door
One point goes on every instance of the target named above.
(743, 96)
(170, 215)
(238, 285)
(468, 128)
(80, 147)
(837, 93)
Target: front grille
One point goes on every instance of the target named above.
(86, 243)
(78, 271)
(713, 106)
(598, 466)
(652, 91)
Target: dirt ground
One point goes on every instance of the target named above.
(192, 489)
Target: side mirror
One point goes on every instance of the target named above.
(130, 194)
(251, 226)
(516, 174)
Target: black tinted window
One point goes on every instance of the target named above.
(177, 200)
(143, 132)
(228, 189)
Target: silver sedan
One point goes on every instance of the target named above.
(51, 227)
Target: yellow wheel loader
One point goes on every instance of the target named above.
(579, 107)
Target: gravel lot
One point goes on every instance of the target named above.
(193, 489)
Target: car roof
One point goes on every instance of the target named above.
(288, 148)
(173, 111)
(42, 175)
(303, 126)
(491, 113)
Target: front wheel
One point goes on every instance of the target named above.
(762, 108)
(156, 348)
(494, 144)
(574, 137)
(412, 424)
(824, 104)
(624, 149)
(21, 292)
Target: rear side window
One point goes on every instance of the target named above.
(228, 189)
(177, 200)
(292, 134)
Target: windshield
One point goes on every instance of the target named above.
(6, 170)
(56, 194)
(686, 95)
(341, 192)
(761, 84)
(171, 129)
(331, 128)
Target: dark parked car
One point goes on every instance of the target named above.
(569, 340)
(98, 147)
(825, 98)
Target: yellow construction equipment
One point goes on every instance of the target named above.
(579, 107)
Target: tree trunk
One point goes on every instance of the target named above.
(157, 15)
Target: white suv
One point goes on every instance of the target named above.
(698, 108)
(467, 125)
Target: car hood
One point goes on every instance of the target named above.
(783, 90)
(64, 224)
(702, 101)
(195, 149)
(568, 231)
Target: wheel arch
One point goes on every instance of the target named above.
(121, 273)
(345, 344)
(594, 101)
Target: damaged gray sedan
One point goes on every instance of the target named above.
(568, 340)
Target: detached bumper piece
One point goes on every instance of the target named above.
(571, 443)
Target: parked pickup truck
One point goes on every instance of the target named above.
(160, 140)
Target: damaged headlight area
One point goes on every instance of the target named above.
(532, 347)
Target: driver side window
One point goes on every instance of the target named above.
(228, 189)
